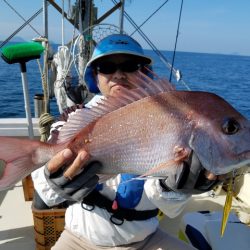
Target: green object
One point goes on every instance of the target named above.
(22, 52)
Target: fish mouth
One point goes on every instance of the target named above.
(242, 160)
(212, 177)
(229, 169)
(245, 155)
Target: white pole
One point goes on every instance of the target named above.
(26, 101)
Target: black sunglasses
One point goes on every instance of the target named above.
(111, 67)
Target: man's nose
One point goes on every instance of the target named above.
(118, 74)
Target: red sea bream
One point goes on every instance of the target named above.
(147, 131)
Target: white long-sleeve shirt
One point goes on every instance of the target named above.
(95, 225)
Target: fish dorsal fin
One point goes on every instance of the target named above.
(144, 87)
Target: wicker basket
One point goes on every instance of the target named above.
(48, 226)
(28, 188)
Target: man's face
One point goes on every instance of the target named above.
(115, 72)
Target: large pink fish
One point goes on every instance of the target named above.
(148, 131)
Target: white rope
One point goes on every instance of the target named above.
(74, 56)
(63, 63)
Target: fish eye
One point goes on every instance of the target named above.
(230, 126)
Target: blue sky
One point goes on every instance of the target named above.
(212, 26)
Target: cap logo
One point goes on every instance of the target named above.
(118, 42)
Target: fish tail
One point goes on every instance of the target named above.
(19, 157)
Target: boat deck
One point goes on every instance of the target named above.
(16, 219)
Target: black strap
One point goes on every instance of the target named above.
(120, 214)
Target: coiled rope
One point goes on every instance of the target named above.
(45, 122)
(45, 119)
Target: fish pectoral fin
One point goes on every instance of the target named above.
(150, 177)
(180, 155)
(159, 168)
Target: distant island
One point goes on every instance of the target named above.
(18, 39)
(15, 39)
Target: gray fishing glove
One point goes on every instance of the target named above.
(190, 178)
(76, 189)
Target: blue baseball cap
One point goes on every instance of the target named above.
(112, 44)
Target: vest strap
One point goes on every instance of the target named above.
(119, 214)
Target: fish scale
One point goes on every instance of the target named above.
(127, 141)
(147, 131)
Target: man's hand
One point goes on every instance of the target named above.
(70, 177)
(191, 177)
(65, 157)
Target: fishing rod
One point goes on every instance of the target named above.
(177, 72)
(176, 39)
(150, 43)
(149, 18)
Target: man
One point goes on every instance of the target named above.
(118, 214)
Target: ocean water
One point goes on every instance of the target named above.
(225, 75)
